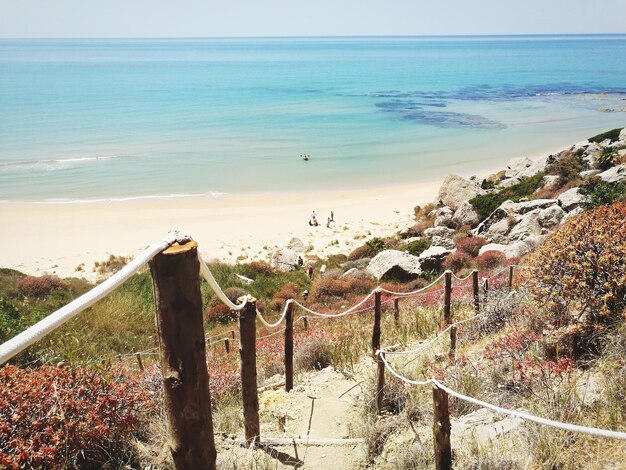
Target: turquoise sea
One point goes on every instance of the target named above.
(116, 119)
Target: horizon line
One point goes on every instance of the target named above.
(315, 36)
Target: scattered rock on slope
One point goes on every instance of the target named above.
(394, 264)
(455, 190)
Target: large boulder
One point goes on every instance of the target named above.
(516, 221)
(284, 259)
(431, 259)
(622, 135)
(447, 243)
(614, 175)
(455, 190)
(394, 264)
(570, 199)
(438, 232)
(296, 245)
(524, 167)
(466, 215)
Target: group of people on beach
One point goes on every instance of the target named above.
(314, 223)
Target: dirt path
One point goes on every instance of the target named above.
(312, 427)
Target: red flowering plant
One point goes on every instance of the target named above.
(62, 417)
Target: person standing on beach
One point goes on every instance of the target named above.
(332, 216)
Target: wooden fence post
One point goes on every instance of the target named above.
(441, 430)
(376, 332)
(485, 290)
(227, 345)
(306, 323)
(380, 384)
(249, 394)
(176, 282)
(139, 361)
(476, 289)
(289, 348)
(447, 299)
(510, 277)
(396, 310)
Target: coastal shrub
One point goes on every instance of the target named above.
(457, 261)
(221, 313)
(579, 274)
(33, 286)
(451, 223)
(256, 268)
(598, 192)
(485, 204)
(315, 353)
(417, 247)
(607, 158)
(613, 134)
(487, 184)
(417, 230)
(370, 249)
(111, 265)
(490, 260)
(9, 321)
(328, 290)
(376, 244)
(567, 167)
(68, 417)
(471, 245)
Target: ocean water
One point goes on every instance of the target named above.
(114, 119)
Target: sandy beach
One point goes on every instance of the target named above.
(56, 238)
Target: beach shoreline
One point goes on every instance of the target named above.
(57, 238)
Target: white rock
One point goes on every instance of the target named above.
(614, 175)
(622, 134)
(438, 232)
(284, 259)
(466, 215)
(524, 167)
(551, 181)
(570, 199)
(505, 183)
(444, 242)
(455, 190)
(432, 258)
(296, 245)
(588, 173)
(394, 263)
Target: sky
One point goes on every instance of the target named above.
(210, 18)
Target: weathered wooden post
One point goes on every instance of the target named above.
(485, 290)
(139, 361)
(227, 345)
(447, 298)
(441, 430)
(475, 288)
(176, 281)
(396, 310)
(376, 332)
(289, 348)
(380, 384)
(232, 334)
(306, 323)
(247, 352)
(510, 277)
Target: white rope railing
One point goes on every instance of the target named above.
(407, 294)
(40, 329)
(277, 322)
(335, 315)
(518, 414)
(208, 276)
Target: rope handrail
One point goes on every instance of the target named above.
(498, 409)
(208, 276)
(277, 322)
(436, 338)
(407, 294)
(48, 324)
(336, 315)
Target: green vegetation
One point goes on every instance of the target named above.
(613, 134)
(598, 192)
(487, 203)
(417, 247)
